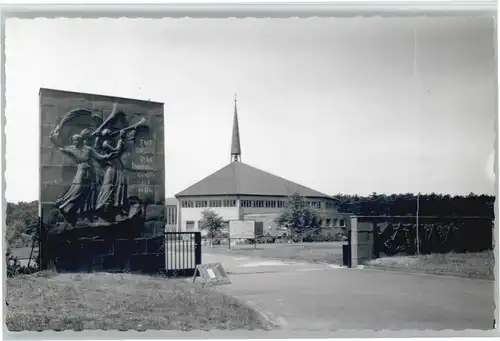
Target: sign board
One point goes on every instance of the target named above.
(212, 274)
(241, 229)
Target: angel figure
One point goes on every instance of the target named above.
(112, 198)
(79, 201)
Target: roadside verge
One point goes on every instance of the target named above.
(479, 265)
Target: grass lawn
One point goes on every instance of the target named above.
(45, 301)
(468, 264)
(328, 252)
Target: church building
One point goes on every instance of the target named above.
(239, 191)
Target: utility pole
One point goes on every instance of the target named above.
(417, 104)
(417, 233)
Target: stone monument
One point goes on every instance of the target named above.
(102, 182)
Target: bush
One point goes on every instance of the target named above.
(14, 267)
(267, 239)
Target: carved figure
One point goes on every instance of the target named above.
(79, 200)
(99, 188)
(112, 199)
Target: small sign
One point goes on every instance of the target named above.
(212, 274)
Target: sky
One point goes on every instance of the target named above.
(354, 105)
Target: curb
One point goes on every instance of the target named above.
(300, 260)
(271, 323)
(432, 273)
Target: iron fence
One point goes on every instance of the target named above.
(182, 253)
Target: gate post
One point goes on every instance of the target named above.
(354, 242)
(362, 240)
(376, 242)
(197, 248)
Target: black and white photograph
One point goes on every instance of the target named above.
(257, 174)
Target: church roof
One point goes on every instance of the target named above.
(238, 178)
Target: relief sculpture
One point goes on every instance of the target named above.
(98, 194)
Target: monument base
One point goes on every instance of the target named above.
(116, 247)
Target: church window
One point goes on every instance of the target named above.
(330, 205)
(314, 204)
(259, 203)
(246, 203)
(201, 203)
(215, 203)
(229, 203)
(187, 204)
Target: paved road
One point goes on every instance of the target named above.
(305, 296)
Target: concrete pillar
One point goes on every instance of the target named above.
(239, 209)
(365, 241)
(354, 242)
(362, 241)
(179, 220)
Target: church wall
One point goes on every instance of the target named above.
(275, 205)
(269, 226)
(332, 219)
(191, 210)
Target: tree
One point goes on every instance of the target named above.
(212, 223)
(15, 234)
(298, 217)
(22, 223)
(405, 205)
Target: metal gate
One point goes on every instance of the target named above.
(182, 253)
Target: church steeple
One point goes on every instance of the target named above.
(235, 141)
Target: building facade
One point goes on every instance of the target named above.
(241, 192)
(171, 215)
(258, 208)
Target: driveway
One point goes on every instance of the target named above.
(304, 296)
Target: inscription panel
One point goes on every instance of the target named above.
(143, 162)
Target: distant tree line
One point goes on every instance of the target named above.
(22, 218)
(406, 205)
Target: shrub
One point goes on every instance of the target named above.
(14, 267)
(13, 264)
(267, 239)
